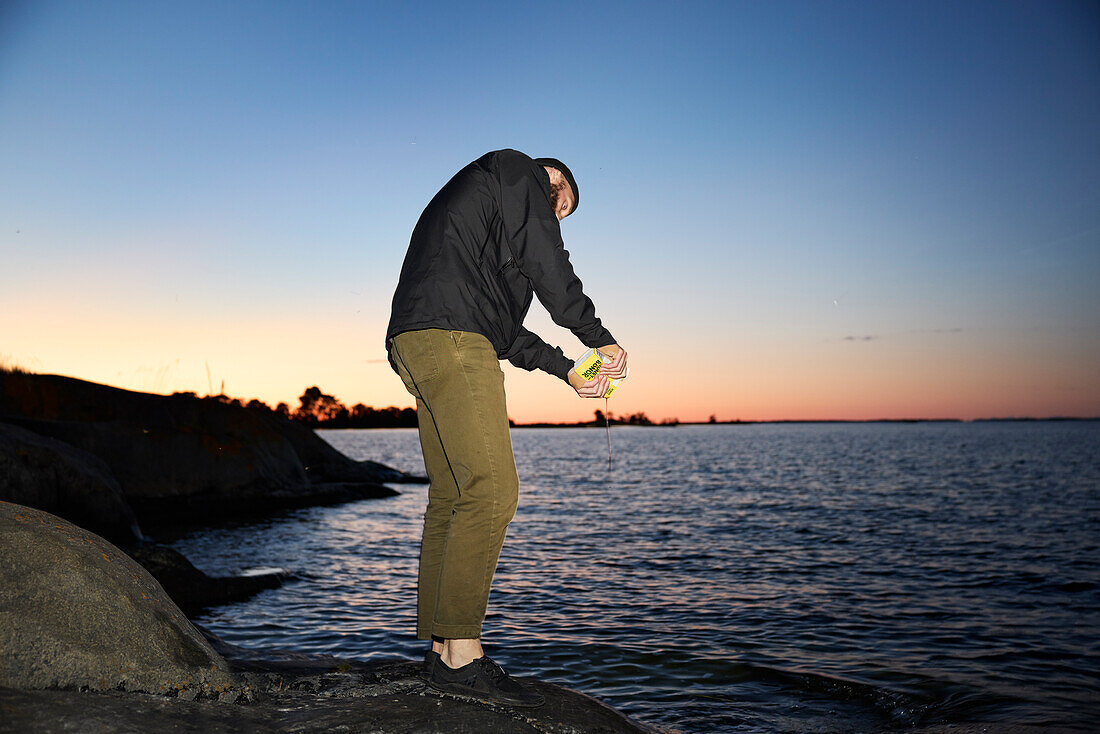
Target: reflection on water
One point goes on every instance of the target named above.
(851, 577)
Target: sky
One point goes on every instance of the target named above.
(790, 210)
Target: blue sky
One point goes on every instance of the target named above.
(825, 209)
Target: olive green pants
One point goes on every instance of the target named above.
(456, 379)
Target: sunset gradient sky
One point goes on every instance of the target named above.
(789, 209)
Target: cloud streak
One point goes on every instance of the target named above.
(876, 337)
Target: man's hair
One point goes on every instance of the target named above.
(555, 194)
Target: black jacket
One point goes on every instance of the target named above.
(485, 242)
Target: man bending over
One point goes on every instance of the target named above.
(485, 243)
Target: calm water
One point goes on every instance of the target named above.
(802, 578)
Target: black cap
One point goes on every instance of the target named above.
(555, 163)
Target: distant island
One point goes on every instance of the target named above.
(318, 409)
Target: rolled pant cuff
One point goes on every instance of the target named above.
(450, 632)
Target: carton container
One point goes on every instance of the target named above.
(588, 366)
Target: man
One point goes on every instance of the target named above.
(487, 241)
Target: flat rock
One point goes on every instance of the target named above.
(409, 712)
(293, 692)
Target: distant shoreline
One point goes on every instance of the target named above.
(590, 424)
(616, 423)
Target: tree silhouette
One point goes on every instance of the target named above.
(317, 407)
(320, 410)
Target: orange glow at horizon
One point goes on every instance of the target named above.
(923, 377)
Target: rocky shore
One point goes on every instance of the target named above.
(89, 641)
(94, 628)
(129, 465)
(179, 457)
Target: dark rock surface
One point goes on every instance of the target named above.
(398, 704)
(90, 642)
(107, 459)
(207, 461)
(323, 463)
(295, 692)
(178, 457)
(322, 692)
(190, 588)
(50, 475)
(53, 476)
(76, 612)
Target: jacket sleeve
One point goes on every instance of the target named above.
(532, 232)
(529, 352)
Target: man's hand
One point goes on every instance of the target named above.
(590, 389)
(616, 366)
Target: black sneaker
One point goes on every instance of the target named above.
(484, 680)
(431, 658)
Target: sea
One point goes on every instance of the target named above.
(819, 577)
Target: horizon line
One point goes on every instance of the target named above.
(667, 422)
